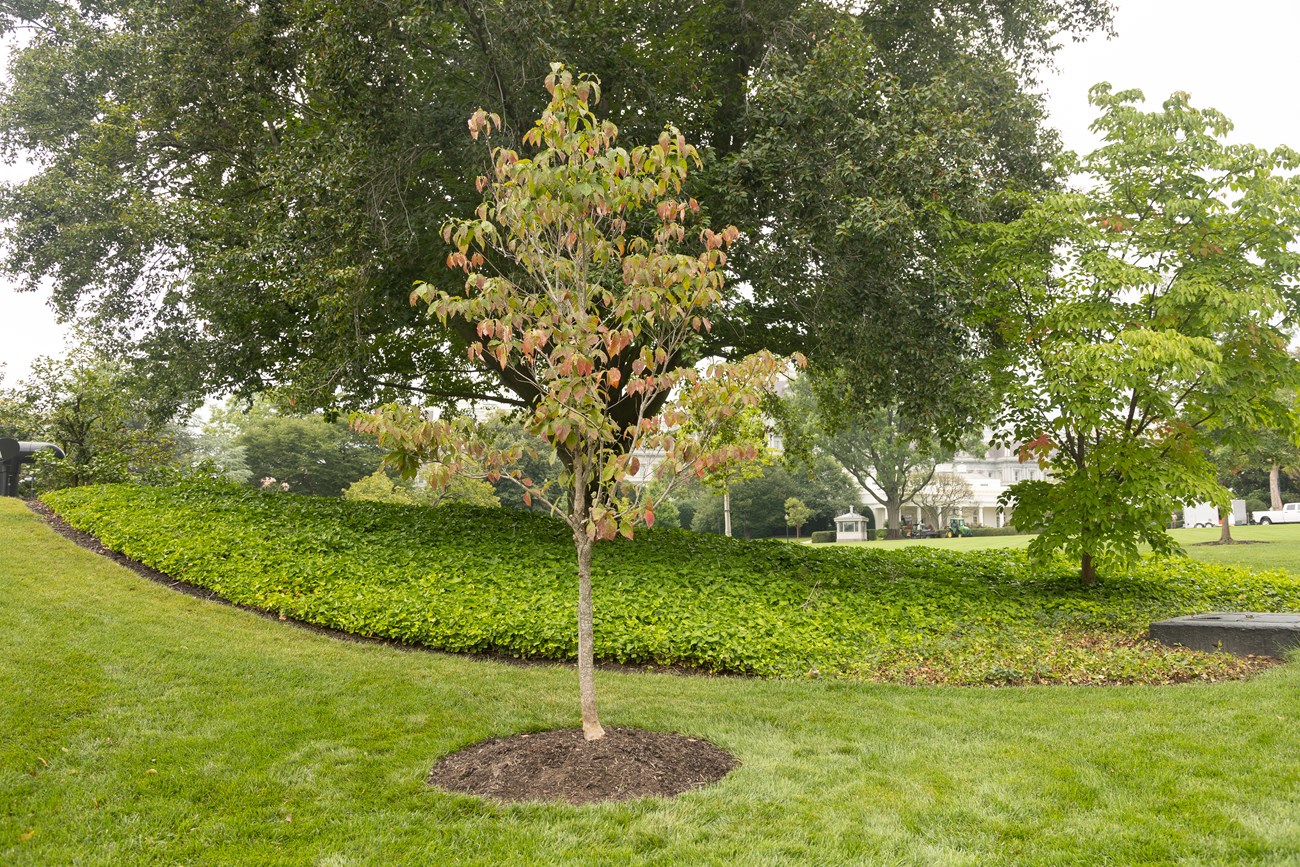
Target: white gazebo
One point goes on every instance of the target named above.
(852, 527)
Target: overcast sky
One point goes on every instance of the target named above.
(1238, 57)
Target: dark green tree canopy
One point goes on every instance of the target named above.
(309, 453)
(241, 194)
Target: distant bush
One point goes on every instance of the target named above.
(461, 578)
(820, 536)
(994, 531)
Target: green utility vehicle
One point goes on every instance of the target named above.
(958, 527)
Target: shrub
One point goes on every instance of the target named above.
(463, 578)
(819, 537)
(994, 531)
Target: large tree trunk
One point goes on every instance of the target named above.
(1225, 534)
(1275, 486)
(1087, 571)
(894, 518)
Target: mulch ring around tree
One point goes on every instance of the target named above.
(560, 765)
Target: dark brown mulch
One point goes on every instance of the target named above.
(561, 766)
(1233, 542)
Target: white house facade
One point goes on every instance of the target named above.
(988, 477)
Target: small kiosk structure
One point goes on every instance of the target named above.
(15, 453)
(852, 527)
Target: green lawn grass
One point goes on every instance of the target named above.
(969, 543)
(1281, 548)
(141, 726)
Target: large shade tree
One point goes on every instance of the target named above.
(891, 455)
(243, 192)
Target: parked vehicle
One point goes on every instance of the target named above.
(922, 531)
(1288, 514)
(1205, 515)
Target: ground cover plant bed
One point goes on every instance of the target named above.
(502, 581)
(144, 726)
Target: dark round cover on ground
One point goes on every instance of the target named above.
(560, 765)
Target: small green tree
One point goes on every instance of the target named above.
(891, 458)
(737, 446)
(378, 487)
(1271, 449)
(796, 514)
(310, 453)
(109, 428)
(1149, 312)
(593, 304)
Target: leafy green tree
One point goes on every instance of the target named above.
(797, 514)
(242, 193)
(308, 452)
(1148, 315)
(109, 429)
(15, 417)
(890, 456)
(760, 502)
(593, 303)
(379, 487)
(861, 175)
(1274, 450)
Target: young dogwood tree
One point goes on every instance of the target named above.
(1151, 310)
(589, 301)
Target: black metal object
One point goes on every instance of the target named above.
(1244, 633)
(15, 453)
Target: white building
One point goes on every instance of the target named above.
(988, 478)
(852, 527)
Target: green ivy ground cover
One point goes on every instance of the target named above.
(497, 580)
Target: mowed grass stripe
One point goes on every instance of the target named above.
(277, 746)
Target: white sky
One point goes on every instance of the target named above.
(1238, 57)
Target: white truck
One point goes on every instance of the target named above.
(1288, 514)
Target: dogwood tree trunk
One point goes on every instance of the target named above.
(580, 507)
(591, 728)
